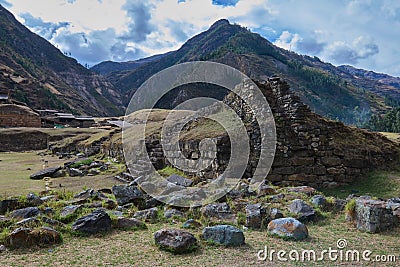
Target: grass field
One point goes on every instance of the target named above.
(15, 169)
(137, 248)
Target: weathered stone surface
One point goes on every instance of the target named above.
(69, 211)
(191, 224)
(173, 213)
(264, 190)
(318, 201)
(175, 241)
(288, 228)
(255, 215)
(128, 223)
(97, 221)
(25, 213)
(26, 237)
(304, 211)
(49, 172)
(127, 194)
(148, 215)
(330, 161)
(33, 199)
(179, 180)
(28, 222)
(73, 172)
(227, 235)
(219, 211)
(20, 238)
(8, 205)
(373, 215)
(275, 213)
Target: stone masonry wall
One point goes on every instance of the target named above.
(18, 116)
(311, 150)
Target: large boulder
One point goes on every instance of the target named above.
(97, 221)
(175, 241)
(25, 213)
(226, 235)
(27, 237)
(373, 215)
(288, 228)
(127, 194)
(49, 172)
(304, 211)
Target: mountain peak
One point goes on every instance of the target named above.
(219, 23)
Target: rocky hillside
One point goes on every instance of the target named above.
(41, 76)
(328, 90)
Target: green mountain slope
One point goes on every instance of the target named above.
(40, 75)
(328, 90)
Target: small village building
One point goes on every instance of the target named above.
(12, 115)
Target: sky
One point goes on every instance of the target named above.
(362, 33)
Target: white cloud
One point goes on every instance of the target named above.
(336, 31)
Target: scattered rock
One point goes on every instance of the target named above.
(175, 241)
(97, 221)
(218, 211)
(264, 190)
(373, 215)
(179, 180)
(129, 223)
(8, 205)
(173, 213)
(52, 222)
(288, 228)
(149, 215)
(26, 237)
(304, 211)
(339, 204)
(318, 201)
(47, 198)
(69, 211)
(275, 213)
(255, 215)
(33, 199)
(73, 172)
(20, 238)
(59, 174)
(25, 213)
(227, 235)
(127, 194)
(45, 173)
(191, 224)
(28, 222)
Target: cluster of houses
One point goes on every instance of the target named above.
(17, 114)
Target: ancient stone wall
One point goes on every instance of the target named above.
(12, 115)
(310, 150)
(21, 140)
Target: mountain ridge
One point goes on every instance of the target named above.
(330, 91)
(43, 77)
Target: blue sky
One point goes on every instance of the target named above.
(362, 33)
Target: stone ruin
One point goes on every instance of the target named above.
(311, 150)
